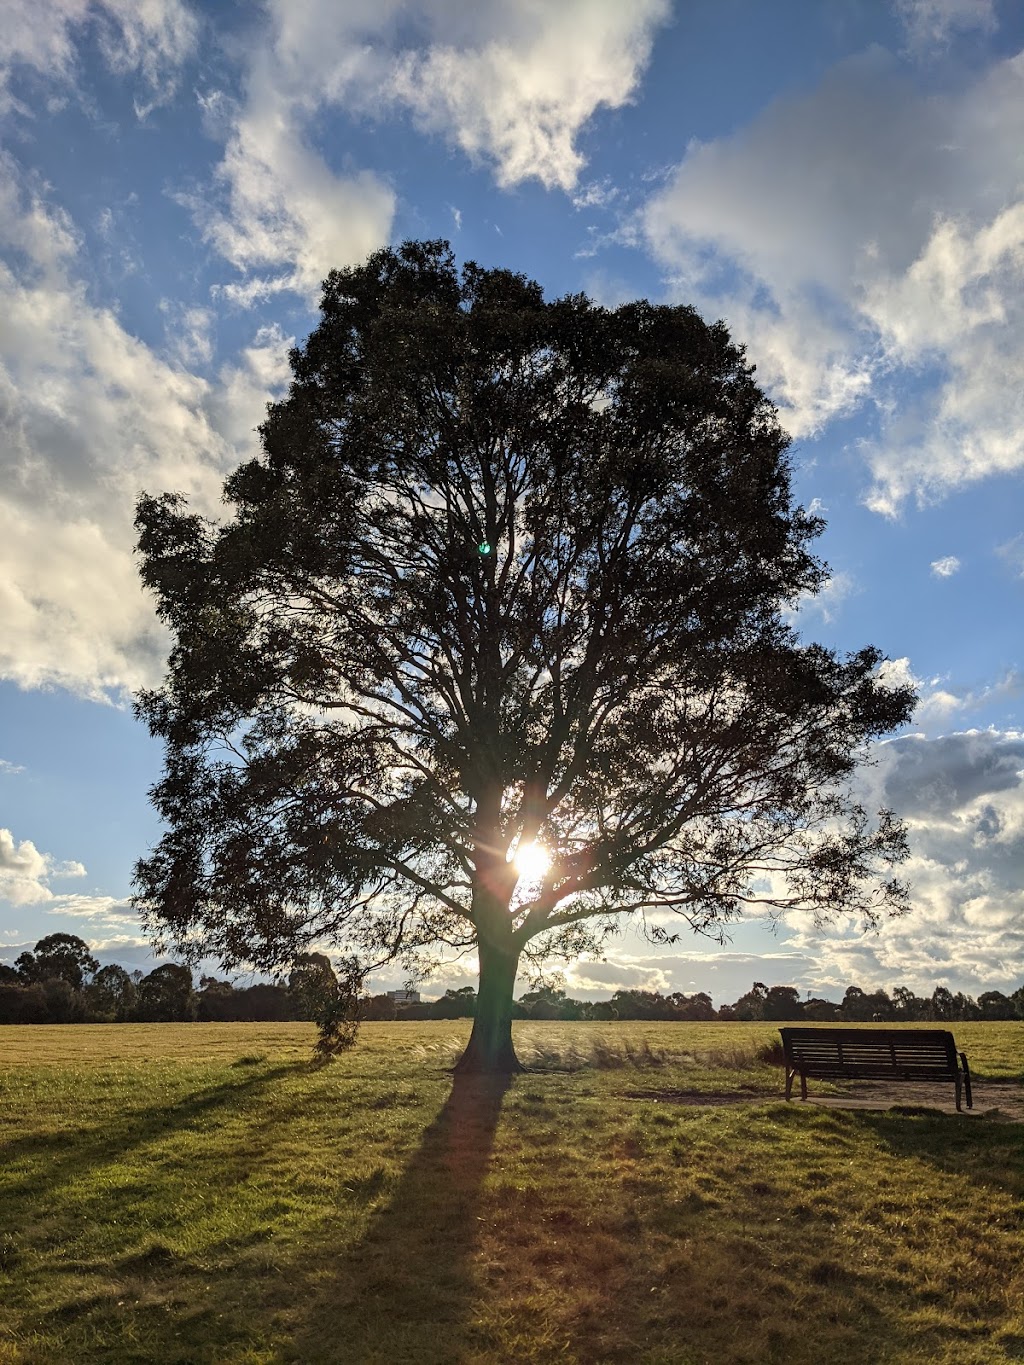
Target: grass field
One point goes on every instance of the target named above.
(193, 1193)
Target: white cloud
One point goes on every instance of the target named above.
(152, 38)
(1012, 553)
(867, 240)
(238, 403)
(89, 415)
(962, 798)
(897, 673)
(930, 24)
(11, 769)
(960, 304)
(937, 703)
(723, 973)
(118, 945)
(945, 567)
(506, 89)
(621, 974)
(189, 331)
(279, 213)
(100, 912)
(493, 78)
(598, 194)
(826, 604)
(286, 211)
(42, 232)
(25, 873)
(38, 36)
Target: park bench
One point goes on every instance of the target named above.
(874, 1054)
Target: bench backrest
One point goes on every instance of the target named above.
(913, 1054)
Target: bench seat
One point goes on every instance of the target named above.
(874, 1054)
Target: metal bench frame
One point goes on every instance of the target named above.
(878, 1054)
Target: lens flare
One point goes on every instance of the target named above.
(532, 861)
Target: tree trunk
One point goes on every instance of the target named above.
(490, 1049)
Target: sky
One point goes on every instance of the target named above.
(842, 183)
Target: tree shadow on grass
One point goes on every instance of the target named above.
(136, 1298)
(579, 1272)
(985, 1151)
(698, 1269)
(407, 1290)
(39, 1164)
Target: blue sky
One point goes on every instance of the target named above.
(843, 183)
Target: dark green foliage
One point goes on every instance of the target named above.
(316, 993)
(457, 1004)
(63, 1004)
(310, 981)
(864, 1008)
(818, 1011)
(165, 994)
(336, 1011)
(751, 1005)
(995, 1005)
(380, 1008)
(783, 1002)
(549, 1003)
(65, 957)
(219, 1001)
(214, 1000)
(23, 1005)
(331, 1000)
(366, 710)
(112, 994)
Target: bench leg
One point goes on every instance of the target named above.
(959, 1088)
(790, 1077)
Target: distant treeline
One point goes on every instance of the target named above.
(60, 982)
(780, 1003)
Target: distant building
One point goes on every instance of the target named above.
(404, 997)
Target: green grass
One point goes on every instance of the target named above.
(194, 1193)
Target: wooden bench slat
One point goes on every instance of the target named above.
(874, 1054)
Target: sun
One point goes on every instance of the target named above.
(532, 861)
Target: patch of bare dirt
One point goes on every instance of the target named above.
(1002, 1101)
(998, 1101)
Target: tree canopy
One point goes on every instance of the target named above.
(64, 957)
(508, 575)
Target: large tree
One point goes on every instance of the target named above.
(509, 575)
(63, 957)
